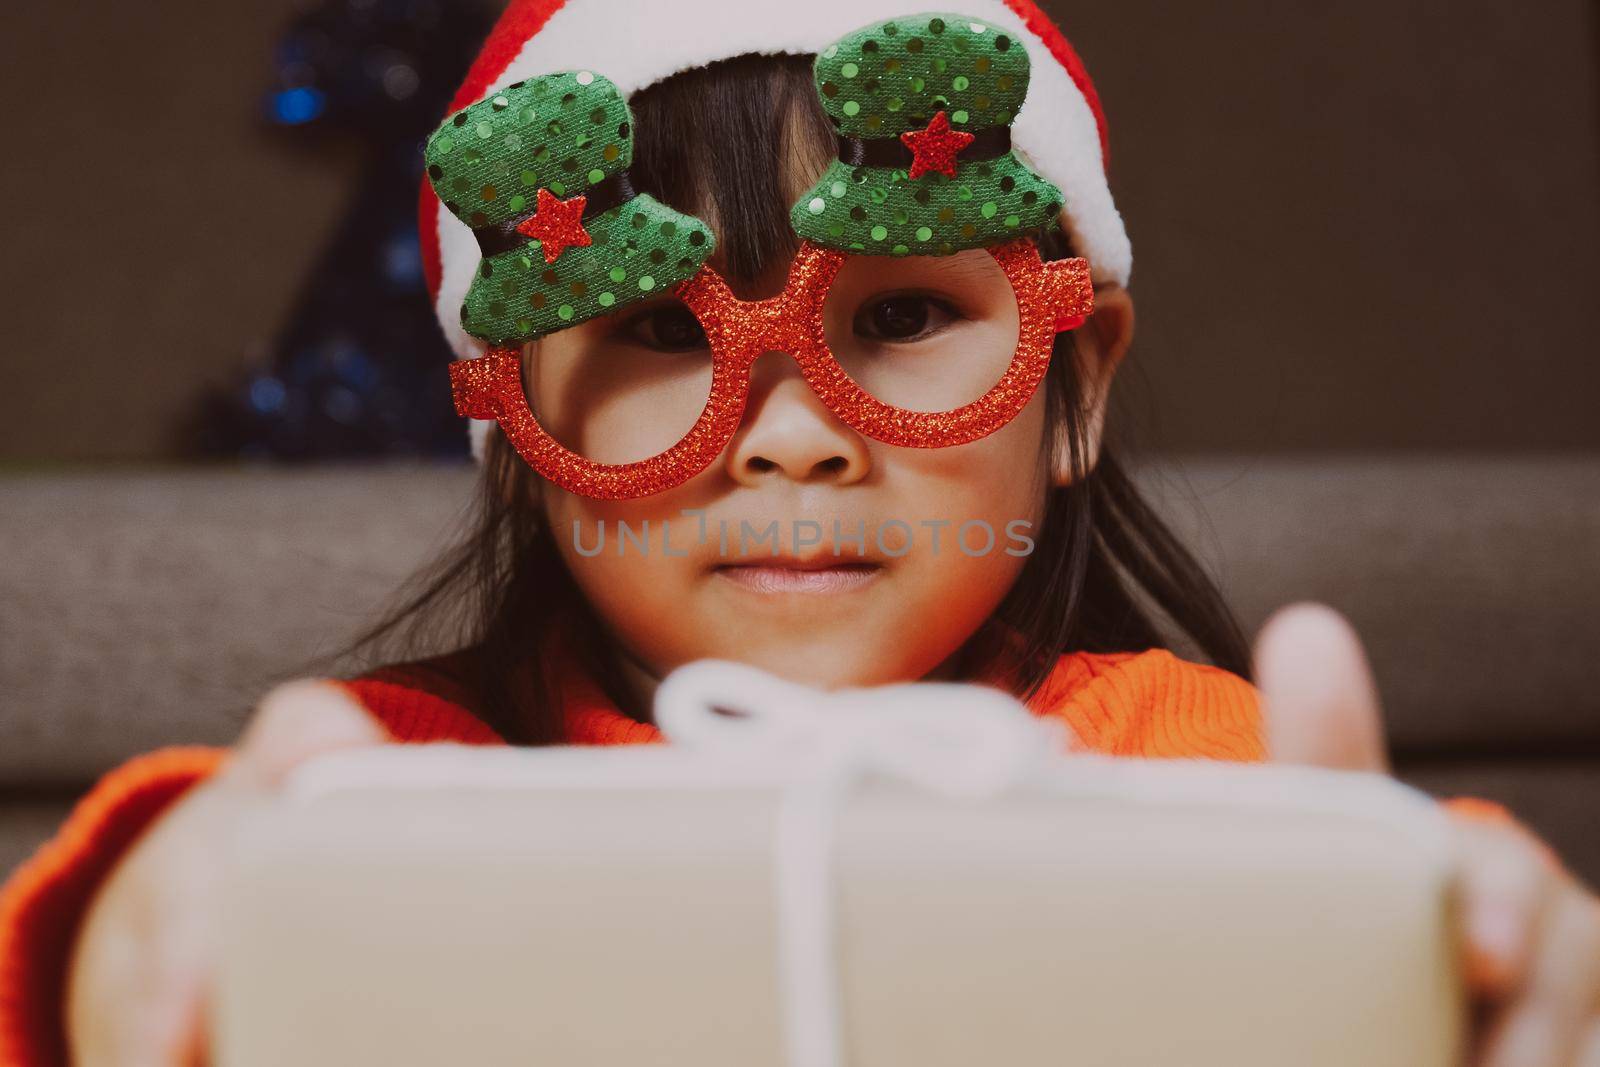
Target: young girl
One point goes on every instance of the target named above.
(898, 470)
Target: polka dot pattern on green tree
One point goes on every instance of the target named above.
(893, 77)
(566, 132)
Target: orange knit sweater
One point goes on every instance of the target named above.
(1148, 704)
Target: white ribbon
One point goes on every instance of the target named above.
(952, 738)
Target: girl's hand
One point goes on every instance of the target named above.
(143, 961)
(1530, 934)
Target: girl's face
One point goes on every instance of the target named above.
(806, 549)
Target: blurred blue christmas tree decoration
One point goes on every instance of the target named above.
(358, 366)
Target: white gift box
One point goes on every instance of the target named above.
(776, 895)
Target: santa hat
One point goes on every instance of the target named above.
(1061, 130)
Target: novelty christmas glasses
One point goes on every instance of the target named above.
(917, 308)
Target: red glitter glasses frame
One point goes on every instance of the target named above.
(1052, 297)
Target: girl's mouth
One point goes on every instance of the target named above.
(776, 575)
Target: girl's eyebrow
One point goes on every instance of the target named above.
(956, 266)
(602, 326)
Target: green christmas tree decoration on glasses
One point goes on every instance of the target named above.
(539, 171)
(922, 105)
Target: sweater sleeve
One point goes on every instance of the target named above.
(45, 900)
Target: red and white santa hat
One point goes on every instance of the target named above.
(1060, 130)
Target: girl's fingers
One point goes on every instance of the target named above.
(1318, 697)
(141, 978)
(295, 721)
(1589, 1044)
(1505, 887)
(1550, 1019)
(137, 976)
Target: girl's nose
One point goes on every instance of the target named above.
(787, 432)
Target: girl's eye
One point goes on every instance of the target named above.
(903, 317)
(666, 328)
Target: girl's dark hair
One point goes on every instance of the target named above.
(1105, 575)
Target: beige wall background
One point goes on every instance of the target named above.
(1370, 225)
(155, 236)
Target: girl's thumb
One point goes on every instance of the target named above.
(1318, 698)
(298, 720)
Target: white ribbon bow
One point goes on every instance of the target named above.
(957, 739)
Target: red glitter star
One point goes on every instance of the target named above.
(935, 148)
(557, 224)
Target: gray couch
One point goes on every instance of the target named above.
(149, 606)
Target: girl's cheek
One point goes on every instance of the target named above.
(999, 477)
